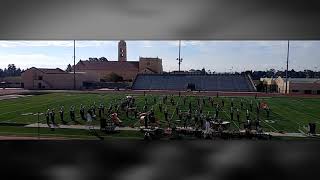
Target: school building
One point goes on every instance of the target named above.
(294, 85)
(90, 72)
(41, 78)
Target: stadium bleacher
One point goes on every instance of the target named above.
(180, 82)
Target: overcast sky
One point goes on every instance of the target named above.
(219, 56)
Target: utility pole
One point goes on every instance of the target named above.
(74, 64)
(287, 69)
(179, 59)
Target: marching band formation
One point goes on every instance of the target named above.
(194, 120)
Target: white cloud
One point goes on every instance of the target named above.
(213, 55)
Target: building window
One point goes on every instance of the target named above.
(295, 90)
(318, 91)
(40, 78)
(307, 91)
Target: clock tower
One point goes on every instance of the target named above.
(122, 51)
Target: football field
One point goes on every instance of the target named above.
(287, 114)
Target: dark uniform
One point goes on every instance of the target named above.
(127, 111)
(146, 121)
(152, 117)
(196, 117)
(257, 123)
(145, 101)
(160, 107)
(268, 112)
(180, 115)
(231, 113)
(238, 116)
(200, 110)
(217, 111)
(166, 114)
(247, 125)
(165, 99)
(52, 116)
(61, 112)
(82, 113)
(135, 113)
(101, 110)
(72, 114)
(133, 100)
(172, 101)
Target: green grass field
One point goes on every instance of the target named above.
(287, 114)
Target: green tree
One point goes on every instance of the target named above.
(69, 68)
(113, 77)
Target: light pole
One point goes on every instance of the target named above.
(179, 59)
(74, 64)
(287, 68)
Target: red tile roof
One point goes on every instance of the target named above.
(51, 71)
(107, 65)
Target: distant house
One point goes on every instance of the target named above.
(42, 78)
(299, 85)
(294, 86)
